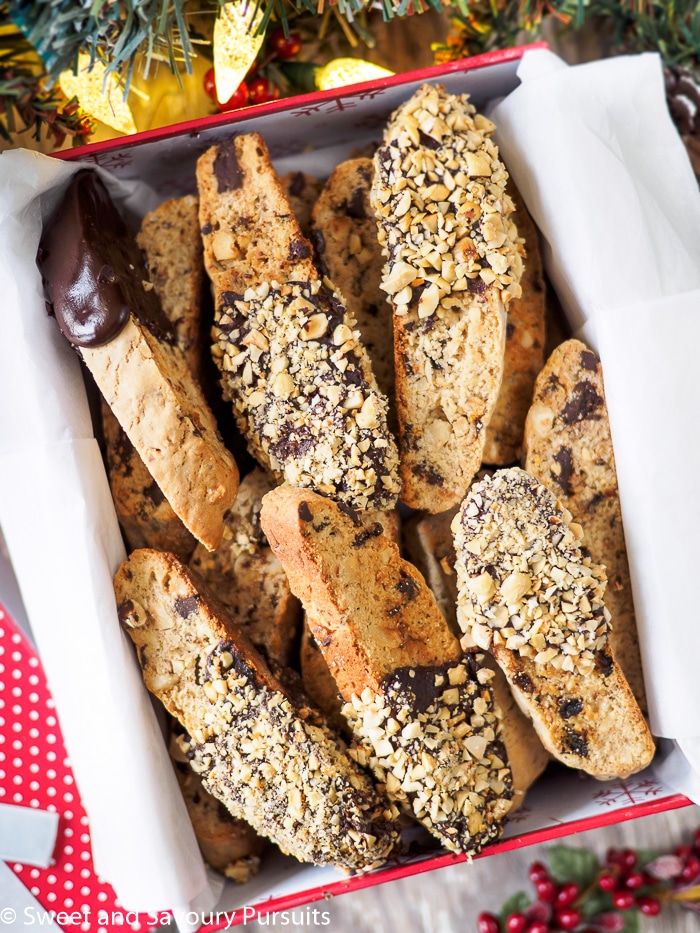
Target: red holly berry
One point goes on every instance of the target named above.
(537, 872)
(487, 923)
(623, 900)
(691, 869)
(539, 926)
(546, 890)
(628, 858)
(567, 918)
(683, 851)
(649, 905)
(608, 881)
(634, 880)
(209, 82)
(567, 894)
(696, 839)
(238, 99)
(612, 857)
(516, 923)
(285, 47)
(261, 91)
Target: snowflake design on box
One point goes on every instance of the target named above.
(632, 792)
(522, 815)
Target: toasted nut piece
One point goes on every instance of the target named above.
(341, 335)
(477, 164)
(401, 275)
(223, 246)
(315, 327)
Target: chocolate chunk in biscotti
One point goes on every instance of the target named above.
(97, 286)
(269, 760)
(452, 266)
(345, 236)
(301, 190)
(429, 546)
(290, 357)
(169, 239)
(248, 579)
(569, 449)
(524, 356)
(530, 594)
(422, 713)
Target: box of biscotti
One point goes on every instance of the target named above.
(332, 487)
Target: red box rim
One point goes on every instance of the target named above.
(280, 106)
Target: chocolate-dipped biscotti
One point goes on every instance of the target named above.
(422, 712)
(452, 265)
(429, 545)
(269, 760)
(529, 593)
(98, 288)
(569, 449)
(170, 242)
(290, 358)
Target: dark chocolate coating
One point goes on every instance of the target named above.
(93, 271)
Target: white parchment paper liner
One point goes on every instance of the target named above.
(607, 178)
(61, 531)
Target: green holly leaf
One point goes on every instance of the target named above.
(568, 864)
(516, 904)
(597, 902)
(631, 922)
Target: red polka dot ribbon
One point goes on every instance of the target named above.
(35, 772)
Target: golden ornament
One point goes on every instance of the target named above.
(342, 71)
(236, 44)
(99, 94)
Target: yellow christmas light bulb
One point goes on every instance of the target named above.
(342, 71)
(102, 99)
(236, 44)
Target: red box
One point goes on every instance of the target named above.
(313, 133)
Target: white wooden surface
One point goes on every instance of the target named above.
(448, 900)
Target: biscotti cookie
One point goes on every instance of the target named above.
(318, 681)
(248, 579)
(146, 517)
(422, 713)
(524, 356)
(270, 762)
(301, 191)
(170, 241)
(529, 593)
(453, 264)
(345, 237)
(228, 845)
(569, 449)
(429, 546)
(290, 357)
(116, 323)
(172, 246)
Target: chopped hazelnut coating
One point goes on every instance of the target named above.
(270, 760)
(524, 581)
(303, 393)
(432, 738)
(290, 357)
(424, 714)
(453, 264)
(529, 591)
